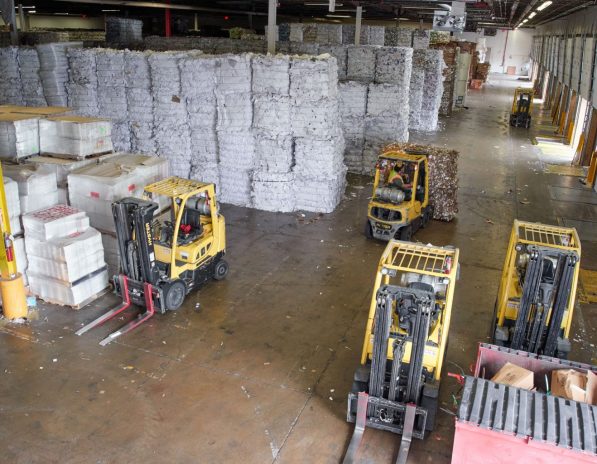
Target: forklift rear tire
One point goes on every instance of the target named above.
(221, 270)
(406, 233)
(368, 230)
(174, 295)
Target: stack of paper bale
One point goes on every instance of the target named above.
(284, 32)
(198, 85)
(13, 203)
(432, 63)
(19, 135)
(296, 32)
(353, 107)
(348, 31)
(310, 32)
(111, 95)
(82, 83)
(304, 48)
(10, 79)
(53, 70)
(421, 38)
(139, 101)
(320, 174)
(449, 74)
(171, 129)
(361, 64)
(273, 181)
(33, 92)
(65, 256)
(75, 136)
(37, 187)
(376, 35)
(93, 188)
(387, 117)
(443, 178)
(235, 137)
(329, 33)
(417, 84)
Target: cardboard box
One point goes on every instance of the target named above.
(515, 376)
(574, 385)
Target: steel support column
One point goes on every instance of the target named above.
(9, 17)
(271, 27)
(357, 28)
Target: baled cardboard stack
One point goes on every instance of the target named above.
(66, 257)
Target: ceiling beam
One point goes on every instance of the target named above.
(163, 5)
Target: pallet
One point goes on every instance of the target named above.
(77, 158)
(83, 303)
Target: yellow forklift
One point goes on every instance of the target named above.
(520, 116)
(397, 384)
(400, 202)
(161, 261)
(535, 303)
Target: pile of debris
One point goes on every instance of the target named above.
(443, 178)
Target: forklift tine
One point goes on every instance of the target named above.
(359, 429)
(113, 312)
(140, 319)
(407, 433)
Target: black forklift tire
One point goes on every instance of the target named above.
(426, 218)
(406, 233)
(368, 230)
(174, 295)
(221, 270)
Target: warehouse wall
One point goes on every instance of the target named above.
(517, 45)
(62, 22)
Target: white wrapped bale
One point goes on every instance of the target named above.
(353, 99)
(271, 75)
(33, 92)
(10, 79)
(432, 64)
(314, 118)
(361, 64)
(19, 136)
(348, 31)
(353, 154)
(329, 33)
(376, 35)
(53, 70)
(82, 84)
(301, 48)
(313, 78)
(421, 38)
(319, 159)
(206, 171)
(398, 37)
(394, 65)
(272, 114)
(273, 191)
(296, 32)
(387, 128)
(274, 154)
(55, 292)
(75, 136)
(139, 101)
(234, 74)
(204, 146)
(340, 52)
(417, 81)
(198, 85)
(236, 185)
(387, 99)
(235, 111)
(237, 150)
(54, 222)
(319, 196)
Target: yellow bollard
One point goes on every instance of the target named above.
(14, 301)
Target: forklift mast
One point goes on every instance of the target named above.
(133, 218)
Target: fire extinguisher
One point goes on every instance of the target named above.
(8, 246)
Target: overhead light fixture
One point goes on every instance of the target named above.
(321, 4)
(61, 14)
(532, 15)
(28, 7)
(338, 16)
(544, 5)
(403, 19)
(32, 12)
(109, 11)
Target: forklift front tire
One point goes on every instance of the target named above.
(368, 230)
(406, 233)
(174, 295)
(221, 270)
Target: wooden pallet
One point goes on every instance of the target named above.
(83, 303)
(77, 158)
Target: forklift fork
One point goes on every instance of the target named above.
(126, 303)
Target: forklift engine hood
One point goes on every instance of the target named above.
(391, 195)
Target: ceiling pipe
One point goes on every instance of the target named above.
(162, 5)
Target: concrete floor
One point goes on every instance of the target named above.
(260, 372)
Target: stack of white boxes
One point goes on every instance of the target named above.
(33, 93)
(66, 256)
(13, 203)
(139, 101)
(93, 188)
(171, 130)
(273, 180)
(19, 135)
(198, 84)
(235, 138)
(82, 82)
(111, 95)
(75, 136)
(320, 174)
(37, 187)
